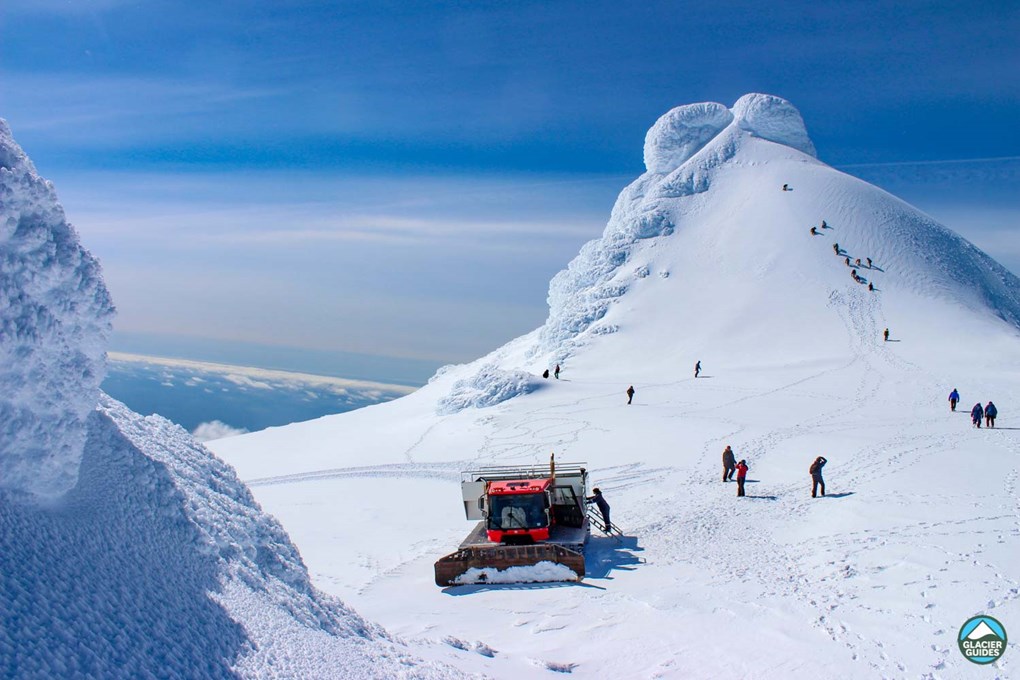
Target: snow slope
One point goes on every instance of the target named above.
(126, 548)
(704, 257)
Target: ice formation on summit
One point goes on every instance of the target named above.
(681, 133)
(55, 315)
(774, 119)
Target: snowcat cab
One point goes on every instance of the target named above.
(529, 515)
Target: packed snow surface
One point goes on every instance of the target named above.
(706, 257)
(543, 572)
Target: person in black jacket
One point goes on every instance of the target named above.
(816, 476)
(630, 394)
(599, 500)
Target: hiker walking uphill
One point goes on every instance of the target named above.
(885, 335)
(990, 413)
(816, 476)
(976, 414)
(954, 399)
(729, 464)
(630, 394)
(556, 373)
(697, 369)
(741, 476)
(600, 501)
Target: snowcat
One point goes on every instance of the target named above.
(529, 515)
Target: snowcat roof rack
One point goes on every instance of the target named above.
(536, 471)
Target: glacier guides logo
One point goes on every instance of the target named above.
(982, 639)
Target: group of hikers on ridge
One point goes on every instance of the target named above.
(988, 412)
(857, 264)
(730, 466)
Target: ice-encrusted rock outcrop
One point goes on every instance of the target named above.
(773, 118)
(55, 316)
(150, 557)
(489, 386)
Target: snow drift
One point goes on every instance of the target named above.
(55, 315)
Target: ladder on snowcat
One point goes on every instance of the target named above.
(595, 517)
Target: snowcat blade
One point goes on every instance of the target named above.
(503, 557)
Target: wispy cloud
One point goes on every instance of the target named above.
(945, 161)
(262, 378)
(94, 112)
(216, 429)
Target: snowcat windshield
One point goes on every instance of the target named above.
(518, 511)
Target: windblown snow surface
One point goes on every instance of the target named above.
(705, 258)
(127, 550)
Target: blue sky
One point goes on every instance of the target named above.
(404, 178)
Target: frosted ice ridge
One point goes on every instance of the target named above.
(55, 316)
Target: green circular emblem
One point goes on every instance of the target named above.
(982, 640)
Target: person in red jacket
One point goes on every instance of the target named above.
(741, 475)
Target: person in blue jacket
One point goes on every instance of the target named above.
(990, 413)
(976, 414)
(954, 398)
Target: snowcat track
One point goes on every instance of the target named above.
(505, 556)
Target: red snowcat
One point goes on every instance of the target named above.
(529, 514)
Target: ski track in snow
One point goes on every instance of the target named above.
(442, 471)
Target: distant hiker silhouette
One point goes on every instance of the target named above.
(835, 248)
(741, 476)
(871, 286)
(729, 464)
(545, 373)
(630, 394)
(858, 262)
(990, 413)
(786, 187)
(869, 262)
(814, 232)
(976, 414)
(816, 476)
(824, 225)
(853, 275)
(847, 261)
(697, 369)
(954, 398)
(557, 372)
(885, 335)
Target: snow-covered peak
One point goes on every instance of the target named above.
(712, 250)
(55, 315)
